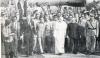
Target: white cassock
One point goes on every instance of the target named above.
(59, 32)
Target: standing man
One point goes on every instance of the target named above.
(28, 41)
(82, 40)
(14, 28)
(48, 39)
(92, 31)
(25, 8)
(9, 40)
(20, 9)
(59, 32)
(40, 34)
(73, 35)
(34, 22)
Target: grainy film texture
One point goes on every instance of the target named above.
(50, 28)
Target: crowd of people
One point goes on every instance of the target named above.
(38, 29)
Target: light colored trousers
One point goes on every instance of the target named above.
(91, 43)
(40, 43)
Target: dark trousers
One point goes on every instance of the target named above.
(82, 39)
(68, 45)
(76, 45)
(28, 43)
(48, 44)
(9, 49)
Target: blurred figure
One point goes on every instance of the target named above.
(20, 9)
(40, 28)
(38, 8)
(34, 22)
(48, 36)
(9, 40)
(82, 22)
(25, 8)
(15, 27)
(28, 41)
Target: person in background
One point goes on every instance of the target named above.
(8, 39)
(34, 23)
(38, 8)
(28, 40)
(48, 37)
(15, 29)
(25, 6)
(99, 34)
(82, 22)
(40, 28)
(20, 9)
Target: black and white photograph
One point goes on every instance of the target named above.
(50, 28)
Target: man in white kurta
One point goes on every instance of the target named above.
(59, 32)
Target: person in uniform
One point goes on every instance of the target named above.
(92, 31)
(59, 32)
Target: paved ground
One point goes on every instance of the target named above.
(58, 56)
(79, 55)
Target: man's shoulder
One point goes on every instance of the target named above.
(96, 21)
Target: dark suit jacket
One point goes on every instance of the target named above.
(72, 30)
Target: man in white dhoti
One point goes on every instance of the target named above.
(59, 32)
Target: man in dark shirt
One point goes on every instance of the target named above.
(73, 35)
(28, 41)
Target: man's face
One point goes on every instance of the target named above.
(82, 16)
(91, 18)
(47, 18)
(59, 14)
(70, 17)
(14, 19)
(55, 18)
(37, 15)
(42, 20)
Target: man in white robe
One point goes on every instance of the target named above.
(59, 32)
